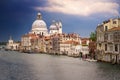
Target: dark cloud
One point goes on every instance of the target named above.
(15, 15)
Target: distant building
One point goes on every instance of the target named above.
(75, 50)
(55, 28)
(11, 45)
(80, 48)
(92, 49)
(39, 27)
(39, 38)
(26, 42)
(53, 40)
(70, 44)
(48, 43)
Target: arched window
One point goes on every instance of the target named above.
(116, 47)
(105, 47)
(106, 28)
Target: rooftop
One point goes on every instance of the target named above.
(114, 29)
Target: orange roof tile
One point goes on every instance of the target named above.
(29, 35)
(85, 39)
(70, 42)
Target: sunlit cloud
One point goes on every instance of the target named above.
(81, 7)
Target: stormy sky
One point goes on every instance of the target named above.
(79, 16)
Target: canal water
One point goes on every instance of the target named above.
(23, 66)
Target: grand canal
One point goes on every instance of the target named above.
(23, 66)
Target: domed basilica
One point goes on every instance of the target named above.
(39, 27)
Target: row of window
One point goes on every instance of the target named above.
(116, 47)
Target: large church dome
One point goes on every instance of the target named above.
(39, 26)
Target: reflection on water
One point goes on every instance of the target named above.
(21, 66)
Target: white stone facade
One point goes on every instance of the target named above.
(39, 27)
(56, 28)
(26, 42)
(11, 45)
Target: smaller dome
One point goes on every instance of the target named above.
(53, 27)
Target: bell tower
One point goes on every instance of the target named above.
(60, 27)
(10, 42)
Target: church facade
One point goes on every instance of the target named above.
(40, 36)
(11, 45)
(39, 27)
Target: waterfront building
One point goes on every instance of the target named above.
(112, 45)
(92, 49)
(80, 48)
(11, 45)
(75, 50)
(52, 40)
(39, 38)
(108, 40)
(28, 42)
(70, 44)
(85, 46)
(41, 44)
(48, 43)
(68, 47)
